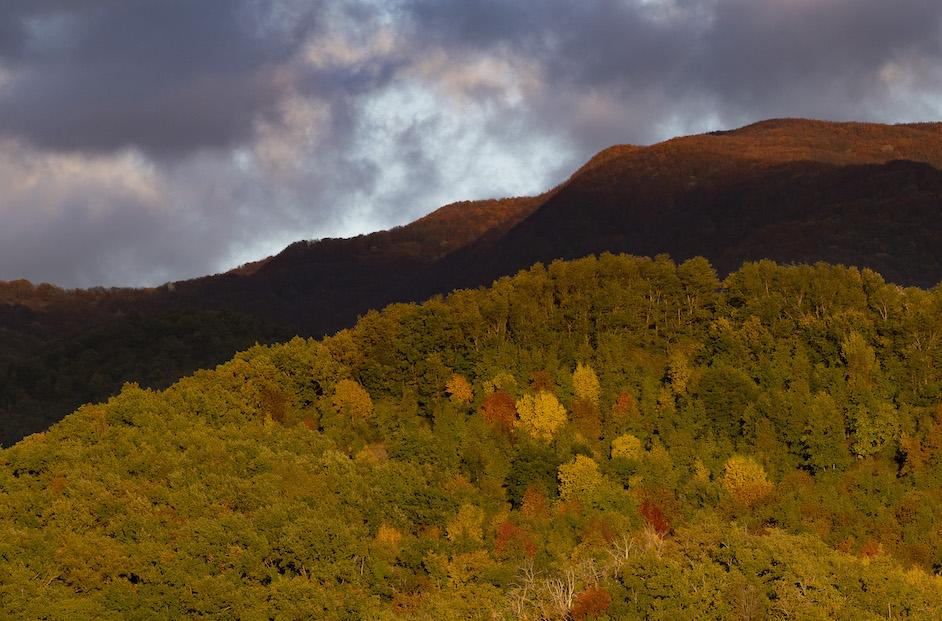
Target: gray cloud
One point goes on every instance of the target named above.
(171, 138)
(165, 76)
(706, 62)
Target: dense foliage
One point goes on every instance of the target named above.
(606, 438)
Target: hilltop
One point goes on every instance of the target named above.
(795, 191)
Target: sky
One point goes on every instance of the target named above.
(143, 141)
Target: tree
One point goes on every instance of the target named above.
(745, 480)
(875, 426)
(459, 389)
(586, 419)
(499, 411)
(678, 372)
(468, 524)
(591, 603)
(540, 415)
(541, 381)
(579, 479)
(624, 410)
(824, 442)
(502, 381)
(860, 359)
(352, 399)
(585, 384)
(627, 446)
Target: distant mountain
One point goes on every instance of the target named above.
(795, 191)
(790, 190)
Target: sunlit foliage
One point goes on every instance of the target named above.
(540, 415)
(770, 448)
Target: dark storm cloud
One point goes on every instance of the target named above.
(725, 59)
(164, 76)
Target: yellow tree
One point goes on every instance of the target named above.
(459, 389)
(627, 446)
(585, 384)
(351, 398)
(579, 478)
(540, 415)
(585, 407)
(745, 480)
(678, 372)
(468, 524)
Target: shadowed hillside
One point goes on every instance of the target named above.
(792, 190)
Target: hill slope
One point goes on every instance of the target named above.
(791, 190)
(615, 436)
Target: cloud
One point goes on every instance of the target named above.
(642, 69)
(165, 76)
(174, 138)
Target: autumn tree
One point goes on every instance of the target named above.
(876, 425)
(824, 441)
(499, 411)
(678, 372)
(745, 480)
(623, 411)
(352, 399)
(591, 603)
(627, 446)
(459, 389)
(540, 415)
(467, 525)
(654, 516)
(579, 478)
(542, 381)
(512, 541)
(585, 406)
(501, 381)
(585, 384)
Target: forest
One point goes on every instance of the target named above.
(605, 438)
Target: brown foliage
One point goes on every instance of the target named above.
(654, 517)
(870, 549)
(592, 602)
(624, 409)
(534, 503)
(513, 541)
(406, 603)
(597, 530)
(585, 416)
(272, 401)
(542, 381)
(499, 410)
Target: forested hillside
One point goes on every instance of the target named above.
(795, 191)
(606, 438)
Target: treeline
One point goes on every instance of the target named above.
(607, 438)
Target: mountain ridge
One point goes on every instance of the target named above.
(793, 190)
